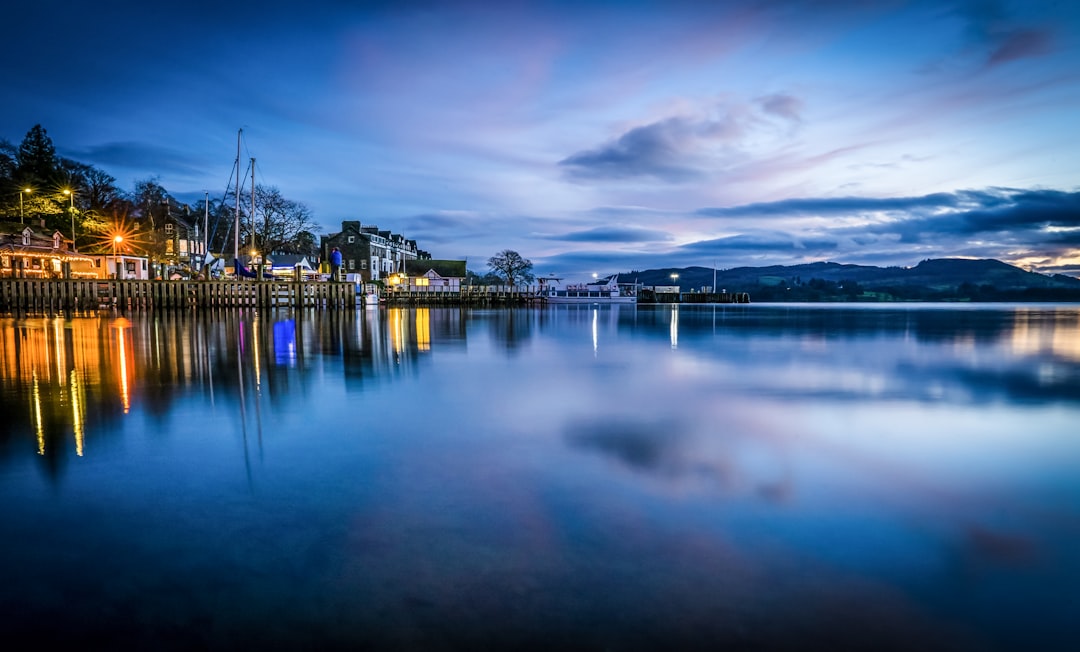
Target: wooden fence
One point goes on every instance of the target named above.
(483, 295)
(48, 295)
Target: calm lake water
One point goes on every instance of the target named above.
(607, 478)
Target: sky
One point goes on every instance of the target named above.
(589, 136)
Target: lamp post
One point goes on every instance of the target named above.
(71, 195)
(22, 220)
(675, 279)
(116, 241)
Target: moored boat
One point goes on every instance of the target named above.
(607, 290)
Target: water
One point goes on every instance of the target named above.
(609, 478)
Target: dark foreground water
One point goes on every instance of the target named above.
(696, 477)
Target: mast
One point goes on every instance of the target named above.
(253, 204)
(205, 230)
(236, 219)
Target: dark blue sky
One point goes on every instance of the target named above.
(590, 136)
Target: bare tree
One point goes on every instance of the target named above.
(511, 266)
(286, 224)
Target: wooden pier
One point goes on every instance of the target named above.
(54, 295)
(466, 295)
(650, 296)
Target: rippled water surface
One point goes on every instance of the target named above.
(671, 477)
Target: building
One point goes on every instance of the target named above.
(447, 275)
(370, 252)
(184, 246)
(176, 244)
(123, 266)
(26, 252)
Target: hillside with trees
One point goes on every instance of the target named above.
(43, 189)
(946, 279)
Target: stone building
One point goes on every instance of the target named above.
(372, 253)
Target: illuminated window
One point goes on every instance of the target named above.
(423, 281)
(168, 227)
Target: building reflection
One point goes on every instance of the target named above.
(66, 381)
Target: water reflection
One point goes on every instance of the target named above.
(761, 477)
(55, 371)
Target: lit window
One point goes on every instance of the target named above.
(169, 227)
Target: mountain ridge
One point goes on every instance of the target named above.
(985, 279)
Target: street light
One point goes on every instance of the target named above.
(24, 190)
(675, 279)
(116, 241)
(71, 194)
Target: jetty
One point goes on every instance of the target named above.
(55, 295)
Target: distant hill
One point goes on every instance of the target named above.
(944, 279)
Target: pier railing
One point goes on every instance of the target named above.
(46, 295)
(463, 295)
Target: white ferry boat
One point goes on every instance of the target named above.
(607, 290)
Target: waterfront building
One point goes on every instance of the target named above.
(372, 253)
(28, 252)
(428, 273)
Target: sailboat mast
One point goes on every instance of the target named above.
(205, 230)
(236, 218)
(253, 204)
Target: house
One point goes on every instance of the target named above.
(372, 253)
(129, 267)
(447, 275)
(28, 252)
(177, 241)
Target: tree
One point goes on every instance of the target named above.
(38, 164)
(285, 224)
(511, 266)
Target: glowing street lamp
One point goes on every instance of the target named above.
(116, 242)
(675, 279)
(71, 194)
(21, 192)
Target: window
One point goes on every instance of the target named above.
(363, 264)
(168, 227)
(26, 238)
(352, 264)
(56, 241)
(352, 239)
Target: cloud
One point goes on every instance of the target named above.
(138, 155)
(614, 234)
(678, 148)
(961, 212)
(658, 150)
(1021, 44)
(833, 206)
(1002, 37)
(763, 241)
(783, 106)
